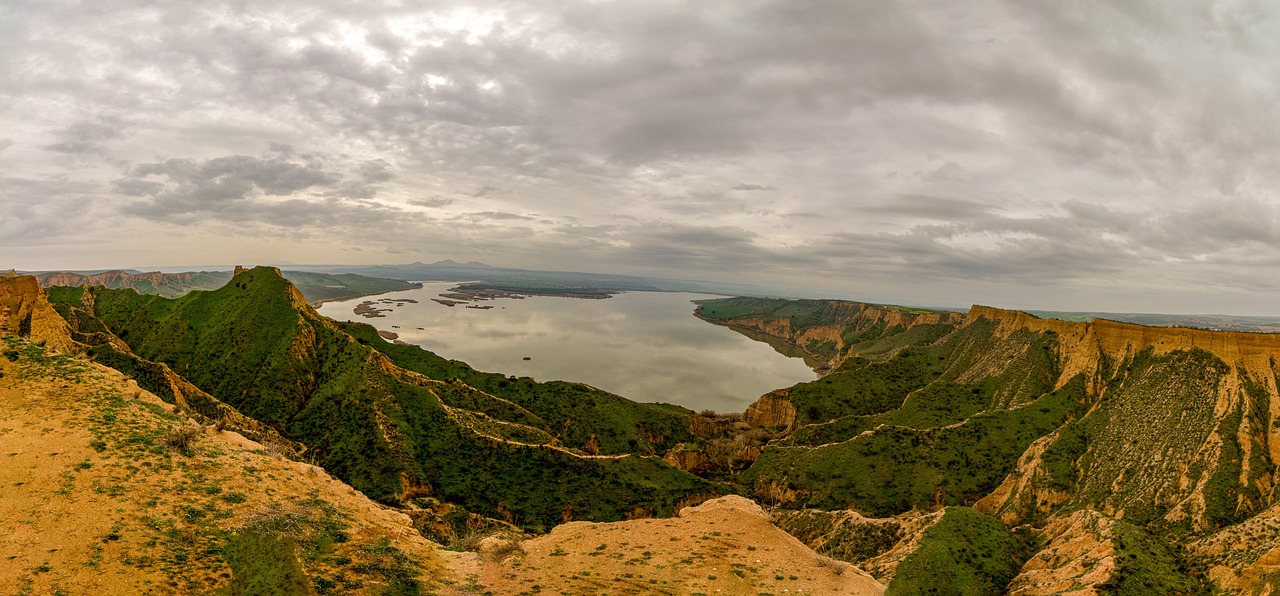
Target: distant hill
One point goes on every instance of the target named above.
(1251, 324)
(315, 287)
(170, 285)
(448, 270)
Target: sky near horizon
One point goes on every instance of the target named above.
(1024, 154)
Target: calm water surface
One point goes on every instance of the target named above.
(646, 346)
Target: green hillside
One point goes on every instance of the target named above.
(391, 433)
(1162, 435)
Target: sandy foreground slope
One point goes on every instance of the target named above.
(93, 500)
(724, 546)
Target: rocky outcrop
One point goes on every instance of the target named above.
(877, 545)
(690, 460)
(1027, 491)
(1244, 558)
(772, 410)
(26, 312)
(827, 335)
(1078, 556)
(1084, 347)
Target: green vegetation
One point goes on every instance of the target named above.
(572, 411)
(965, 552)
(253, 344)
(1157, 414)
(264, 564)
(863, 387)
(1147, 565)
(937, 404)
(803, 314)
(896, 468)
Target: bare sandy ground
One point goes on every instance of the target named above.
(724, 546)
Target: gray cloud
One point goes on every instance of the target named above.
(86, 136)
(930, 207)
(493, 215)
(1021, 150)
(434, 201)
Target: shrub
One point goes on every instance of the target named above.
(182, 438)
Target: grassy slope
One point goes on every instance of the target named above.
(573, 411)
(380, 429)
(896, 468)
(1146, 564)
(905, 433)
(940, 419)
(964, 553)
(130, 510)
(1157, 415)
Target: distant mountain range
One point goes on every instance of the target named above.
(449, 270)
(1252, 324)
(315, 287)
(322, 283)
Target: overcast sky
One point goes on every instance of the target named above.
(1119, 156)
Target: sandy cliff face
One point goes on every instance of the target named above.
(25, 311)
(1245, 558)
(771, 410)
(1174, 438)
(165, 284)
(1084, 347)
(828, 342)
(1028, 486)
(1198, 421)
(1078, 556)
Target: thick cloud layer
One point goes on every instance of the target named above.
(1026, 154)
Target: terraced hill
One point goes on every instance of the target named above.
(1148, 443)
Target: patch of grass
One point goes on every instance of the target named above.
(1147, 565)
(264, 563)
(895, 468)
(965, 552)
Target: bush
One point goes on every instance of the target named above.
(182, 438)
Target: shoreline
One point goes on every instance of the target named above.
(322, 301)
(823, 366)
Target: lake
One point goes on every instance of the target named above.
(645, 346)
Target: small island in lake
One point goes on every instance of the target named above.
(480, 291)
